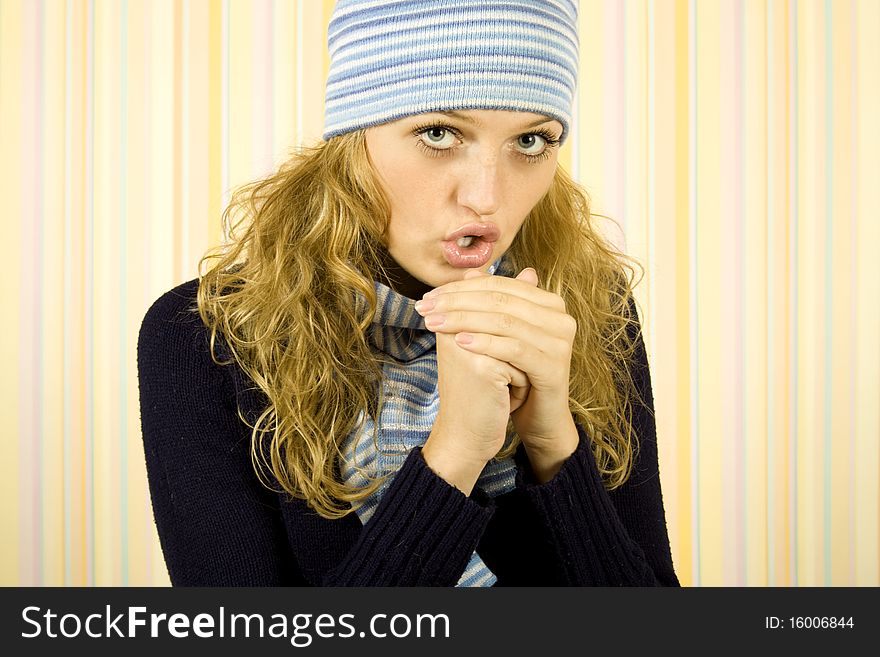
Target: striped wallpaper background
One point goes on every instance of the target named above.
(734, 142)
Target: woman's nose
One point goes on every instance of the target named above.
(479, 186)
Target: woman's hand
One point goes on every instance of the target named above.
(475, 403)
(514, 322)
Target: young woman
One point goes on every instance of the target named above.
(416, 362)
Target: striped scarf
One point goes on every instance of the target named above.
(409, 378)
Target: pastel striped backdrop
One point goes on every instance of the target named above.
(735, 142)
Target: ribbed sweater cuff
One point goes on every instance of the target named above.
(591, 542)
(422, 533)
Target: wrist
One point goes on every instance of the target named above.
(452, 468)
(547, 455)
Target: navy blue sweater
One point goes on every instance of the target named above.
(219, 526)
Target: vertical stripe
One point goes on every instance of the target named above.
(650, 171)
(683, 408)
(774, 218)
(740, 310)
(224, 110)
(85, 533)
(197, 143)
(75, 389)
(635, 166)
(179, 132)
(838, 441)
(51, 267)
(769, 527)
(731, 310)
(792, 111)
(852, 518)
(38, 290)
(35, 284)
(185, 144)
(270, 106)
(314, 29)
(147, 260)
(67, 365)
(664, 175)
(621, 117)
(756, 274)
(122, 301)
(300, 60)
(709, 186)
(243, 111)
(614, 107)
(61, 368)
(828, 281)
(13, 499)
(215, 121)
(867, 284)
(40, 148)
(261, 76)
(692, 329)
(593, 171)
(25, 320)
(853, 337)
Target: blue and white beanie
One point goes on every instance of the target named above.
(396, 58)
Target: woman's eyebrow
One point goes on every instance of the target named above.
(467, 118)
(535, 124)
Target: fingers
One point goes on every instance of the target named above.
(479, 291)
(511, 321)
(517, 379)
(497, 313)
(524, 286)
(500, 373)
(528, 275)
(545, 366)
(518, 396)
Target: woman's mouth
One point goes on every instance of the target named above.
(471, 246)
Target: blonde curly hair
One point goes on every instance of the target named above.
(281, 295)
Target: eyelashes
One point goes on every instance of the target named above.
(420, 131)
(550, 141)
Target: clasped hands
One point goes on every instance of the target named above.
(504, 350)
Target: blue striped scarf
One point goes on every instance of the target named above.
(409, 410)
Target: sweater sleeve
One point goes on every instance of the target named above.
(600, 538)
(217, 524)
(422, 533)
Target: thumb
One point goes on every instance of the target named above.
(473, 273)
(528, 275)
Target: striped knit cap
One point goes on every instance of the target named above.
(396, 58)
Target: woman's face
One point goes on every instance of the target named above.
(460, 184)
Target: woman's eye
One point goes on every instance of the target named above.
(437, 137)
(531, 144)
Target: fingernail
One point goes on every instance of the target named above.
(435, 321)
(428, 295)
(425, 305)
(464, 338)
